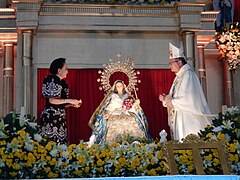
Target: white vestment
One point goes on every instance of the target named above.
(191, 112)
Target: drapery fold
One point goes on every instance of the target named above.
(83, 84)
(236, 11)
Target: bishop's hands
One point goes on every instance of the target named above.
(167, 101)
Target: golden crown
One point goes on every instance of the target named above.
(118, 65)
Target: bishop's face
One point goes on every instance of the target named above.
(175, 65)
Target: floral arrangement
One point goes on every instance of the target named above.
(128, 103)
(226, 128)
(228, 41)
(26, 154)
(117, 2)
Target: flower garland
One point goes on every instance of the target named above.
(26, 154)
(228, 41)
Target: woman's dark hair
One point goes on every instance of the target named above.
(115, 90)
(182, 59)
(57, 64)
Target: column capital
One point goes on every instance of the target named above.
(189, 16)
(27, 13)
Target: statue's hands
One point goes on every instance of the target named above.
(137, 101)
(105, 115)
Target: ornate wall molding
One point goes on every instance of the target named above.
(107, 10)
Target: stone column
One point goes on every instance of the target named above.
(189, 42)
(8, 77)
(27, 40)
(227, 85)
(202, 69)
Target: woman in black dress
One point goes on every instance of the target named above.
(55, 90)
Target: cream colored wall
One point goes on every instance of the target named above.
(214, 76)
(91, 50)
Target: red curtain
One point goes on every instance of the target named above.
(83, 84)
(236, 11)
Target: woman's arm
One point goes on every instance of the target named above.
(71, 102)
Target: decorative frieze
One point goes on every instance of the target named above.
(108, 10)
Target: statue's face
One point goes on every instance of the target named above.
(119, 87)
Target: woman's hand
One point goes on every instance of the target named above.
(74, 102)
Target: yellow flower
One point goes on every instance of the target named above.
(81, 159)
(209, 157)
(13, 174)
(189, 152)
(3, 142)
(16, 166)
(53, 161)
(100, 162)
(52, 175)
(232, 148)
(47, 169)
(99, 169)
(78, 173)
(160, 154)
(152, 172)
(48, 158)
(122, 161)
(216, 161)
(22, 133)
(30, 159)
(221, 136)
(49, 145)
(87, 169)
(9, 162)
(209, 135)
(190, 168)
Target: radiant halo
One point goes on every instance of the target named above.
(118, 65)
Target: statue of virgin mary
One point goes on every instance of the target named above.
(119, 114)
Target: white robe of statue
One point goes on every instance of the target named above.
(191, 112)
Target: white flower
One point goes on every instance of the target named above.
(232, 110)
(227, 137)
(1, 163)
(23, 120)
(14, 146)
(65, 154)
(62, 147)
(207, 163)
(217, 129)
(29, 146)
(54, 152)
(2, 125)
(27, 139)
(37, 137)
(227, 124)
(214, 137)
